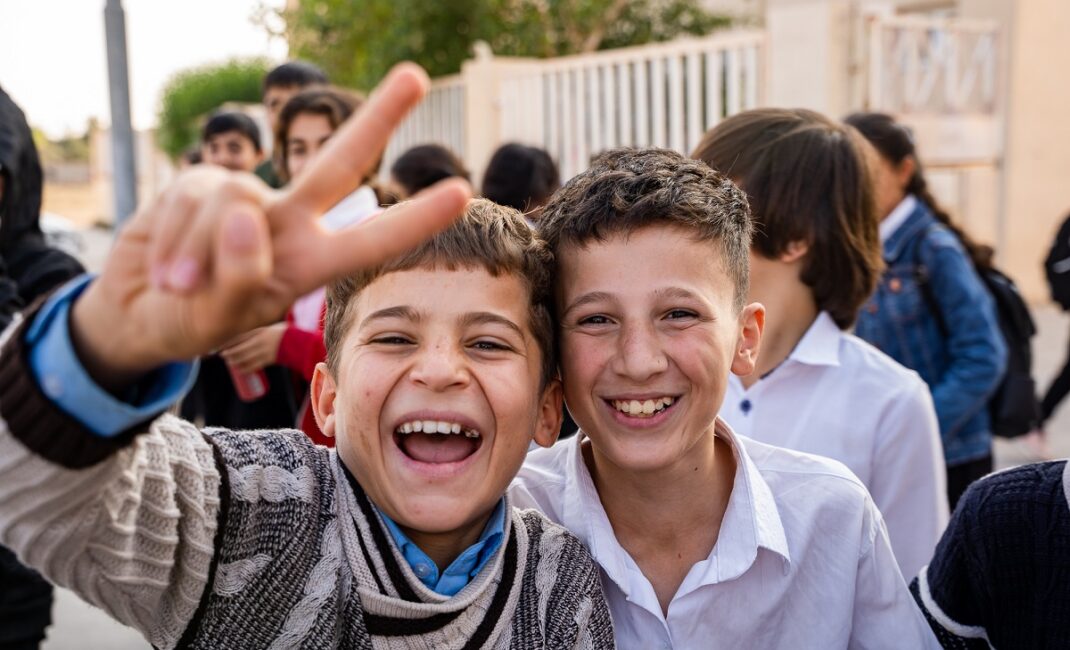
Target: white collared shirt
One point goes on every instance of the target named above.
(897, 217)
(840, 397)
(801, 561)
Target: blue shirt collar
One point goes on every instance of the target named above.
(467, 565)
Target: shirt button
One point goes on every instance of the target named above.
(53, 386)
(422, 570)
(745, 406)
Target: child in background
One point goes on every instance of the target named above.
(521, 177)
(814, 260)
(305, 125)
(282, 83)
(959, 352)
(421, 167)
(441, 372)
(232, 140)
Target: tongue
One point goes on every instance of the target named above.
(437, 447)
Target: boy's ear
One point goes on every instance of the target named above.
(324, 390)
(751, 324)
(548, 425)
(795, 250)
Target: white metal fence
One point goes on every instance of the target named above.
(663, 95)
(439, 119)
(925, 65)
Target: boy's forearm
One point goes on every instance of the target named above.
(74, 504)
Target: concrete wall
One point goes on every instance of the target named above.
(1035, 192)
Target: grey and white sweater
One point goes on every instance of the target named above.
(220, 539)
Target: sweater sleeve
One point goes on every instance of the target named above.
(300, 351)
(126, 522)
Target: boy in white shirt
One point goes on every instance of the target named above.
(815, 260)
(704, 539)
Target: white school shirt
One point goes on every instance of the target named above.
(801, 561)
(840, 397)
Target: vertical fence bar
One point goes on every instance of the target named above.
(595, 121)
(610, 78)
(657, 102)
(642, 101)
(733, 83)
(694, 101)
(714, 90)
(676, 105)
(626, 103)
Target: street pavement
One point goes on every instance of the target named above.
(78, 626)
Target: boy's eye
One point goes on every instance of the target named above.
(392, 340)
(490, 346)
(677, 314)
(597, 319)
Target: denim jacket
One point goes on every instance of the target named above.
(964, 366)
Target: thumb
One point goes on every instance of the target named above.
(243, 262)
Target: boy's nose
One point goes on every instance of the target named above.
(640, 355)
(441, 367)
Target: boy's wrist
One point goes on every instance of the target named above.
(114, 358)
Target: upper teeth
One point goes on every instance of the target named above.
(648, 407)
(436, 426)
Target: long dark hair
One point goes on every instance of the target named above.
(895, 144)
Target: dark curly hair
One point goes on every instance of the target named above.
(626, 190)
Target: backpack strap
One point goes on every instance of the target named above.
(923, 280)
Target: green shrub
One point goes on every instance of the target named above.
(192, 94)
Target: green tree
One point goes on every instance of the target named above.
(356, 41)
(192, 94)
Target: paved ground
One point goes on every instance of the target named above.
(79, 626)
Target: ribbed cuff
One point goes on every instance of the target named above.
(37, 422)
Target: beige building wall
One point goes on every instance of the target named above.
(1035, 192)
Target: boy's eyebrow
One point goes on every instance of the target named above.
(675, 292)
(586, 299)
(486, 317)
(401, 311)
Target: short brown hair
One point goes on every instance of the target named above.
(333, 103)
(807, 179)
(487, 236)
(626, 190)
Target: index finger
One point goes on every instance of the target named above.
(339, 168)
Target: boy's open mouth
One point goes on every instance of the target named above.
(436, 441)
(647, 408)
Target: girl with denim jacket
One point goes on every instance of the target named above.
(931, 311)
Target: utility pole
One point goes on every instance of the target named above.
(124, 169)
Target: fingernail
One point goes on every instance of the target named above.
(239, 232)
(183, 274)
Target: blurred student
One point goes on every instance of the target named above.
(422, 166)
(30, 269)
(231, 139)
(281, 84)
(305, 124)
(521, 177)
(931, 311)
(815, 259)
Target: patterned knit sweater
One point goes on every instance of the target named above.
(219, 539)
(1001, 574)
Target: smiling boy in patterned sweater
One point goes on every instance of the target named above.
(440, 373)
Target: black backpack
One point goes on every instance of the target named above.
(1057, 266)
(1013, 408)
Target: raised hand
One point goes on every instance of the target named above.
(219, 253)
